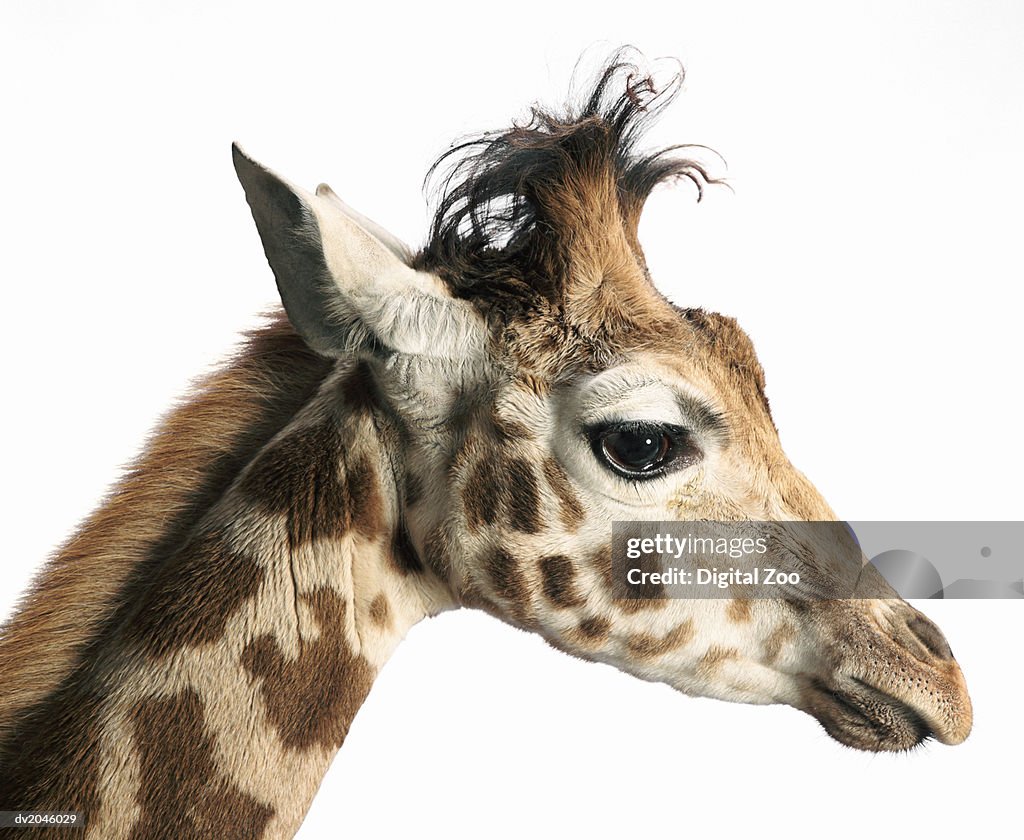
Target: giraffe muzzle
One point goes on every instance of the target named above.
(893, 682)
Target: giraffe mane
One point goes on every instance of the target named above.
(507, 199)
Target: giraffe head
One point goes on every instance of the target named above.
(542, 388)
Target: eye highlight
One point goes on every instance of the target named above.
(641, 450)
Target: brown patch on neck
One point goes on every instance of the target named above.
(361, 395)
(380, 611)
(307, 477)
(94, 583)
(181, 794)
(55, 763)
(312, 699)
(193, 596)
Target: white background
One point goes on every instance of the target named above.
(871, 248)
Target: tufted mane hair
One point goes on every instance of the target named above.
(502, 194)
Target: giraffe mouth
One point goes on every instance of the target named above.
(864, 717)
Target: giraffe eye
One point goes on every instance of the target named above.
(639, 450)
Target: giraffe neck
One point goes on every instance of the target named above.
(215, 705)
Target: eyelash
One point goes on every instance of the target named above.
(679, 449)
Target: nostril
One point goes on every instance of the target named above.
(930, 636)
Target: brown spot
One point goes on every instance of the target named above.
(181, 794)
(522, 499)
(312, 699)
(380, 611)
(496, 488)
(647, 646)
(559, 580)
(570, 509)
(591, 631)
(508, 583)
(193, 595)
(713, 659)
(307, 477)
(367, 505)
(481, 494)
(739, 610)
(776, 639)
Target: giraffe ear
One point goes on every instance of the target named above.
(395, 245)
(345, 282)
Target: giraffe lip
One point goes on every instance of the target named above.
(862, 716)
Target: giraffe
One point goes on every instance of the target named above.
(419, 432)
